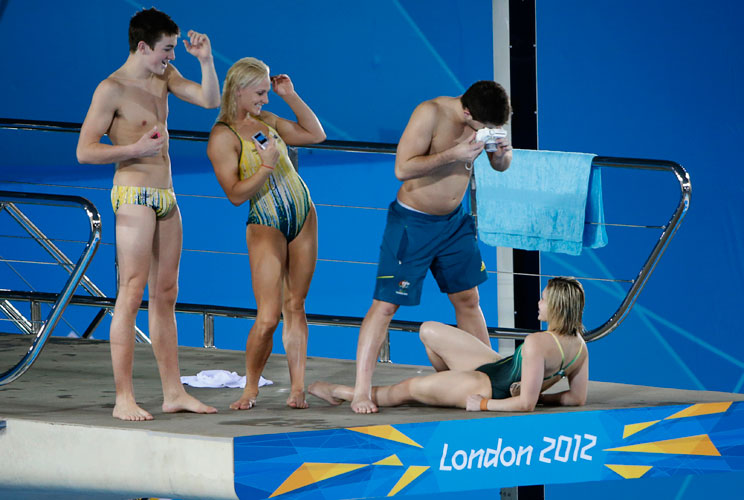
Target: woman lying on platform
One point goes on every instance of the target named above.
(473, 376)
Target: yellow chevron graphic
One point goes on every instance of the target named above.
(692, 445)
(631, 429)
(630, 471)
(701, 409)
(408, 476)
(391, 460)
(385, 432)
(310, 472)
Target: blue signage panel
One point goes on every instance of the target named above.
(463, 455)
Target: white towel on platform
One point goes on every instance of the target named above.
(219, 378)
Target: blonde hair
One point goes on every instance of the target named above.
(565, 299)
(244, 73)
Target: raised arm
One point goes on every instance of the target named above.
(413, 159)
(223, 150)
(306, 129)
(206, 94)
(103, 107)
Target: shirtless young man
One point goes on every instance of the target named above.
(427, 227)
(131, 106)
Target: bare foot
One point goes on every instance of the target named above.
(129, 410)
(324, 391)
(246, 401)
(186, 402)
(363, 405)
(297, 400)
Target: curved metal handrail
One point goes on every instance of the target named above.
(63, 298)
(656, 252)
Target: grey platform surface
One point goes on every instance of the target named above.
(71, 383)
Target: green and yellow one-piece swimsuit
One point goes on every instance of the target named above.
(283, 202)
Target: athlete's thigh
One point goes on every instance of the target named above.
(166, 250)
(450, 388)
(267, 253)
(303, 254)
(458, 349)
(135, 229)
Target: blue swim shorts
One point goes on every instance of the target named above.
(414, 242)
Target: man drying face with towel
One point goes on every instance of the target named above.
(427, 227)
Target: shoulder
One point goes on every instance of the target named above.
(269, 118)
(111, 87)
(425, 118)
(222, 133)
(536, 343)
(170, 73)
(428, 109)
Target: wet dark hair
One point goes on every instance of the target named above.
(487, 102)
(149, 25)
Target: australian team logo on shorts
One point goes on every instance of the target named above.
(403, 287)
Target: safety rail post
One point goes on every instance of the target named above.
(35, 316)
(208, 330)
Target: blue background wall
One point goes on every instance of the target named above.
(659, 80)
(634, 79)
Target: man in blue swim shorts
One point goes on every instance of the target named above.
(427, 227)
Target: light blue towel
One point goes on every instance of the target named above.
(541, 202)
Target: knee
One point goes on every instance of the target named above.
(130, 294)
(415, 388)
(468, 299)
(164, 294)
(383, 309)
(265, 325)
(294, 305)
(428, 331)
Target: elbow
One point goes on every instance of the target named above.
(527, 405)
(319, 137)
(82, 157)
(573, 400)
(209, 102)
(235, 201)
(400, 173)
(213, 103)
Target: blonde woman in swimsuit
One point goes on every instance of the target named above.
(471, 375)
(248, 150)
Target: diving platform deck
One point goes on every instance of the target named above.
(60, 441)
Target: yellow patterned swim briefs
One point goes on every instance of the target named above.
(161, 200)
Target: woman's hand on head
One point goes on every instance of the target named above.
(282, 85)
(473, 402)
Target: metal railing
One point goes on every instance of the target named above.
(48, 245)
(211, 311)
(8, 200)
